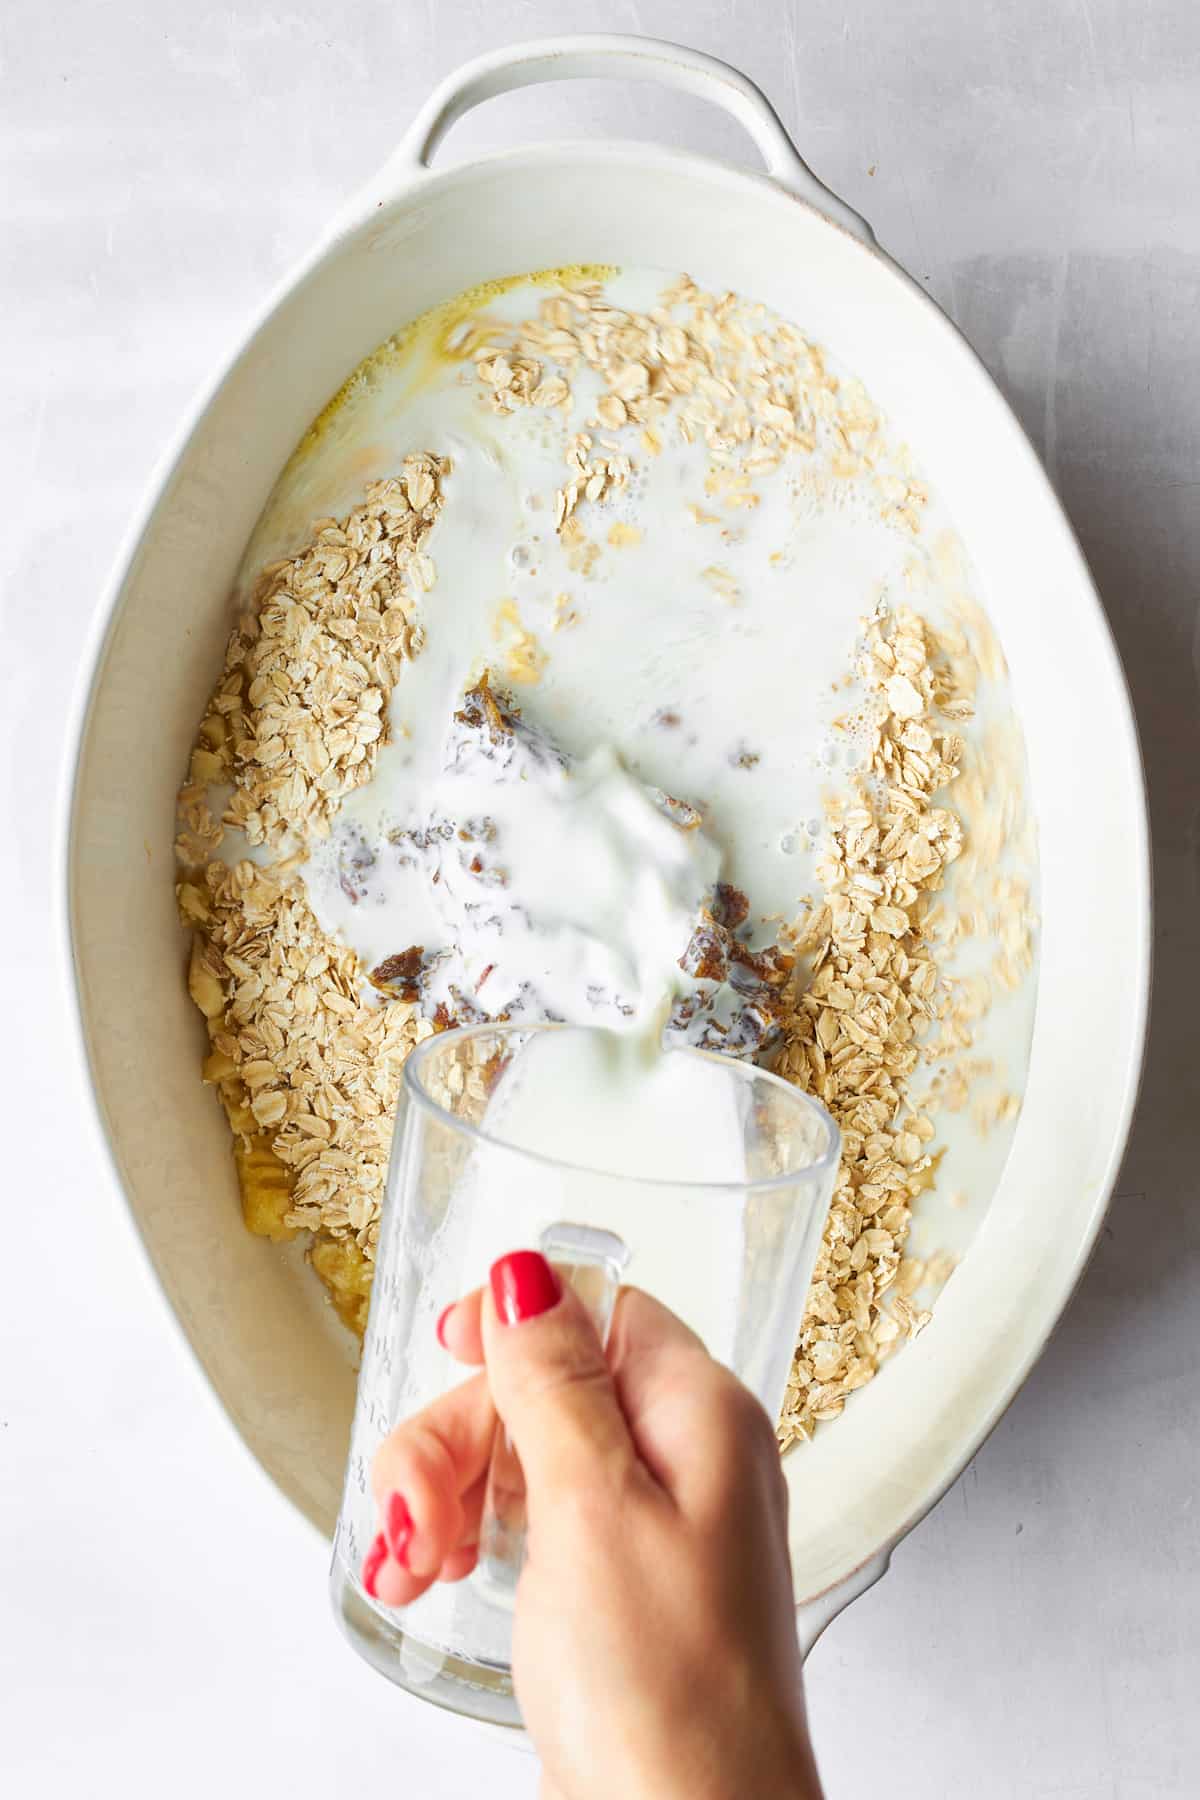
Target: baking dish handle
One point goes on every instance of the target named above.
(613, 58)
(812, 1616)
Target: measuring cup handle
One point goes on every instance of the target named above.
(591, 1262)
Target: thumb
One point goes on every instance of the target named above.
(549, 1379)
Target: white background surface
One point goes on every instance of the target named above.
(163, 1624)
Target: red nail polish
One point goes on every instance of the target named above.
(523, 1285)
(398, 1528)
(441, 1324)
(373, 1561)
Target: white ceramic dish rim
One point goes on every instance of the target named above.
(391, 190)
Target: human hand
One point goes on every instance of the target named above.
(654, 1644)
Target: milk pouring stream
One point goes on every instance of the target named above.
(600, 882)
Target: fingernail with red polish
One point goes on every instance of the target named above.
(373, 1561)
(398, 1528)
(523, 1285)
(441, 1324)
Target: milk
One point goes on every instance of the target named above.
(573, 899)
(593, 1106)
(597, 1127)
(717, 691)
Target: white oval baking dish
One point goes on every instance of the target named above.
(411, 239)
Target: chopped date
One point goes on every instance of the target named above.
(730, 906)
(399, 976)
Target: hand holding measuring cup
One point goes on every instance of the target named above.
(712, 1176)
(654, 1648)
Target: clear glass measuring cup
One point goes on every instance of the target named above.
(713, 1200)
